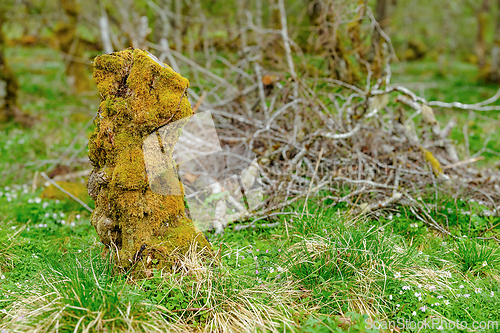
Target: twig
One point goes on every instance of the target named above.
(66, 192)
(200, 100)
(468, 161)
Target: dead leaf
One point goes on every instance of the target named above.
(190, 177)
(428, 115)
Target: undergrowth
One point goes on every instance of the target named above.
(321, 271)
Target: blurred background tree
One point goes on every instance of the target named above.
(417, 28)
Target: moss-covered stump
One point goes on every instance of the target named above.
(139, 95)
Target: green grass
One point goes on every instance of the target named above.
(325, 271)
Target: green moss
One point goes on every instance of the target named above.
(138, 95)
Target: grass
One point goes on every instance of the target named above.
(325, 271)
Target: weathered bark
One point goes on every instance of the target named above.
(8, 82)
(139, 95)
(73, 48)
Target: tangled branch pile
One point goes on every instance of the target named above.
(355, 141)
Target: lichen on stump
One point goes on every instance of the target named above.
(139, 94)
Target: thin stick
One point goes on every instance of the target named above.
(291, 66)
(200, 100)
(35, 179)
(470, 160)
(66, 192)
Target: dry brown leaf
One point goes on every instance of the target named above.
(190, 177)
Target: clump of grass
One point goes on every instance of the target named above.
(476, 257)
(79, 292)
(346, 268)
(8, 242)
(213, 298)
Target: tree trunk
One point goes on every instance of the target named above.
(482, 15)
(178, 25)
(494, 72)
(8, 82)
(383, 12)
(73, 47)
(139, 211)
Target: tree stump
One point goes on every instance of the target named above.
(139, 95)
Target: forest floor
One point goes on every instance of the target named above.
(323, 271)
